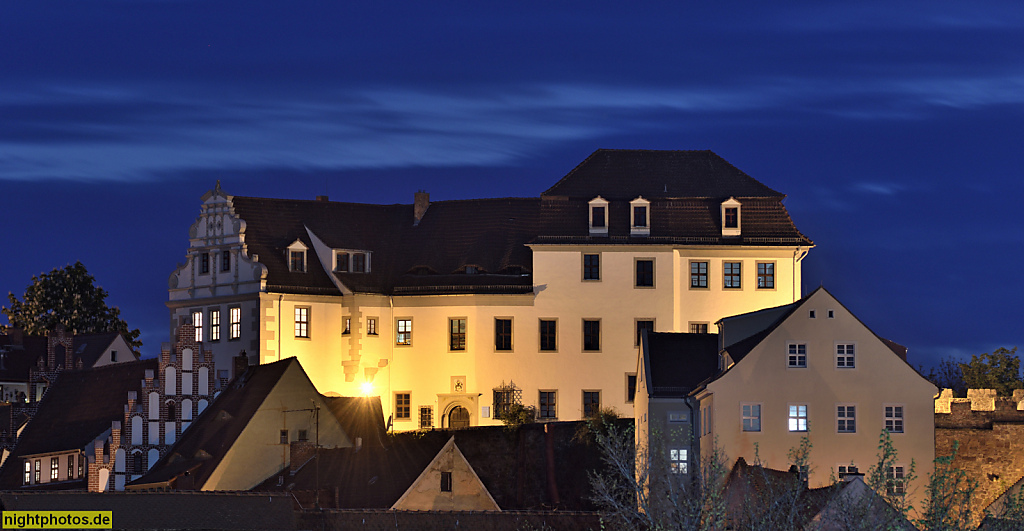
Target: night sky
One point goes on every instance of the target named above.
(895, 128)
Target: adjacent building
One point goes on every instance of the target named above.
(451, 311)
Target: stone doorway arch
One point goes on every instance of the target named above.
(458, 418)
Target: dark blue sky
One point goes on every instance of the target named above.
(894, 127)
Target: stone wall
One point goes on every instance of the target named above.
(990, 433)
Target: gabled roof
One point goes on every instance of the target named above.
(203, 445)
(79, 407)
(624, 174)
(89, 347)
(677, 362)
(360, 417)
(449, 452)
(167, 510)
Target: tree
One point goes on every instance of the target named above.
(948, 376)
(999, 370)
(67, 297)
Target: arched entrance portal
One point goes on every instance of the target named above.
(458, 418)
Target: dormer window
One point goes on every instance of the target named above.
(352, 261)
(297, 257)
(731, 217)
(598, 216)
(341, 262)
(640, 217)
(359, 263)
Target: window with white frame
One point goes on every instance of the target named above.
(751, 417)
(846, 419)
(677, 460)
(371, 326)
(197, 322)
(640, 217)
(598, 216)
(894, 419)
(403, 335)
(797, 357)
(341, 262)
(302, 322)
(895, 482)
(297, 256)
(798, 417)
(844, 470)
(731, 221)
(845, 356)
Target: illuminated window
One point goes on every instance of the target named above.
(698, 275)
(797, 355)
(457, 334)
(404, 332)
(402, 408)
(751, 417)
(37, 473)
(845, 357)
(798, 417)
(302, 322)
(348, 326)
(503, 334)
(894, 419)
(846, 419)
(28, 472)
(214, 325)
(371, 326)
(731, 275)
(677, 460)
(765, 275)
(71, 466)
(234, 323)
(548, 405)
(197, 321)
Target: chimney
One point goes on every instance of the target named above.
(322, 198)
(300, 454)
(420, 204)
(241, 363)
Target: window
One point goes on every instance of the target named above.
(548, 334)
(302, 322)
(303, 435)
(630, 387)
(677, 460)
(894, 419)
(698, 275)
(641, 325)
(197, 321)
(547, 402)
(426, 417)
(71, 467)
(751, 417)
(504, 397)
(731, 275)
(765, 275)
(446, 481)
(204, 263)
(297, 260)
(358, 262)
(797, 355)
(225, 261)
(214, 325)
(341, 262)
(798, 417)
(348, 326)
(846, 419)
(677, 416)
(591, 403)
(598, 216)
(81, 465)
(698, 328)
(284, 436)
(234, 323)
(591, 334)
(371, 326)
(457, 334)
(37, 473)
(845, 358)
(591, 267)
(732, 218)
(402, 408)
(28, 472)
(895, 484)
(831, 314)
(113, 356)
(640, 217)
(645, 273)
(404, 332)
(811, 314)
(502, 334)
(844, 470)
(54, 468)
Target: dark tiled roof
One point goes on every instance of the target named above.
(78, 408)
(678, 362)
(203, 445)
(167, 510)
(361, 417)
(20, 357)
(624, 174)
(489, 234)
(89, 347)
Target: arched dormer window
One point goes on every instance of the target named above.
(297, 256)
(731, 220)
(640, 217)
(598, 216)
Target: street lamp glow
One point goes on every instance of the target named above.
(367, 388)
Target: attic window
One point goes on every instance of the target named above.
(341, 262)
(352, 261)
(471, 270)
(731, 219)
(598, 216)
(297, 256)
(640, 217)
